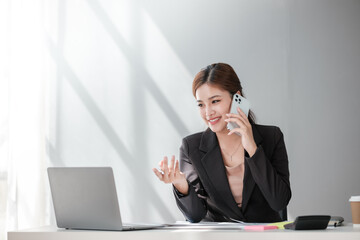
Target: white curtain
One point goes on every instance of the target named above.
(24, 84)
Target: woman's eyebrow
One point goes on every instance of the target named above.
(210, 98)
(214, 96)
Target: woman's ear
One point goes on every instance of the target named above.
(238, 92)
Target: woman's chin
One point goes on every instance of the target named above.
(219, 129)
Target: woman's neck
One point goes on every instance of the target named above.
(225, 139)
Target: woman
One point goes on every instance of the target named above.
(224, 176)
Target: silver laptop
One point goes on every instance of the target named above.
(86, 198)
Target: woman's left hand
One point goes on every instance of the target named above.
(245, 130)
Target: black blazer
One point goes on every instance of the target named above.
(266, 188)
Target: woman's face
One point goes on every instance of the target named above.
(213, 103)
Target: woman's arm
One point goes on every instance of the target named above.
(193, 207)
(272, 175)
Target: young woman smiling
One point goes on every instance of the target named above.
(223, 176)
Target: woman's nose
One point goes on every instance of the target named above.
(209, 111)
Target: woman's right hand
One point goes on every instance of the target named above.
(171, 174)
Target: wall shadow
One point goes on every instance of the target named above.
(130, 162)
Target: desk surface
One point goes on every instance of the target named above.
(53, 233)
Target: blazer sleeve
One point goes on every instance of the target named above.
(272, 175)
(191, 205)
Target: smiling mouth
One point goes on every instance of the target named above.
(214, 120)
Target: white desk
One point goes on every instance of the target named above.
(52, 233)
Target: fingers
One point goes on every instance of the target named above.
(165, 169)
(238, 121)
(177, 167)
(172, 163)
(158, 174)
(237, 130)
(241, 115)
(169, 170)
(235, 117)
(243, 128)
(240, 111)
(161, 165)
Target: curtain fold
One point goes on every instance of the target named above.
(24, 116)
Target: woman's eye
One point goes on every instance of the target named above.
(215, 101)
(200, 105)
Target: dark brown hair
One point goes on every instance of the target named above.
(223, 76)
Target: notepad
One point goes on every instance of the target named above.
(280, 225)
(260, 227)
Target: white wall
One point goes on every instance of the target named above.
(121, 74)
(324, 114)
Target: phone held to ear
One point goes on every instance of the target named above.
(243, 104)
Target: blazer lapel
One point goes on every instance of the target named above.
(249, 182)
(216, 173)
